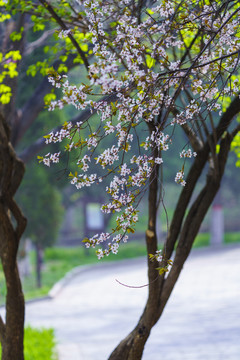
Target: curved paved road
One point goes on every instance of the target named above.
(92, 313)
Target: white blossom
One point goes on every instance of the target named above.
(137, 78)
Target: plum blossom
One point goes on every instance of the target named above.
(140, 87)
(179, 178)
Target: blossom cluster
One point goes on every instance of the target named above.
(64, 33)
(168, 67)
(50, 158)
(179, 178)
(187, 154)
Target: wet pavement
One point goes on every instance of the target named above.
(92, 312)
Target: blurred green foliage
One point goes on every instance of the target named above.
(41, 203)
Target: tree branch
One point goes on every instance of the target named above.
(184, 199)
(20, 219)
(194, 174)
(35, 104)
(235, 131)
(27, 154)
(64, 27)
(195, 142)
(227, 117)
(194, 219)
(37, 43)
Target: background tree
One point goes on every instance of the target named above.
(163, 57)
(41, 203)
(23, 53)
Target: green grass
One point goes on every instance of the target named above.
(39, 344)
(232, 238)
(201, 240)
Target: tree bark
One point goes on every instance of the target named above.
(131, 348)
(160, 288)
(12, 225)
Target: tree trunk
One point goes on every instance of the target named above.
(131, 348)
(160, 288)
(12, 340)
(12, 225)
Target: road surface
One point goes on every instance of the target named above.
(92, 312)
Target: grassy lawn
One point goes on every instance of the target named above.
(38, 344)
(232, 238)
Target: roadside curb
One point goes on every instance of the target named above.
(57, 287)
(68, 277)
(91, 267)
(86, 268)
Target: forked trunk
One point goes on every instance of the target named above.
(160, 288)
(131, 348)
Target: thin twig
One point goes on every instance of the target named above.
(64, 27)
(136, 287)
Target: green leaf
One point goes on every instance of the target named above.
(62, 68)
(49, 97)
(162, 271)
(40, 158)
(4, 89)
(14, 54)
(150, 61)
(78, 60)
(2, 3)
(46, 49)
(149, 11)
(16, 36)
(84, 47)
(5, 98)
(113, 24)
(63, 58)
(4, 17)
(32, 70)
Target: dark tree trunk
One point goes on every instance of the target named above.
(12, 339)
(183, 231)
(131, 348)
(12, 225)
